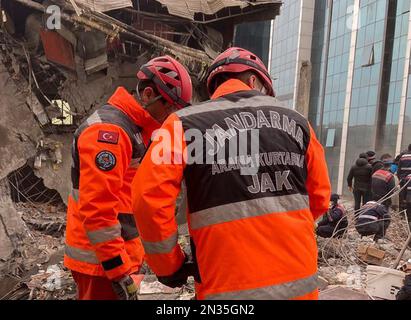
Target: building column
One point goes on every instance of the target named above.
(302, 77)
(270, 46)
(350, 76)
(404, 94)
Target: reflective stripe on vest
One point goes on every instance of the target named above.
(94, 118)
(164, 246)
(75, 194)
(247, 209)
(82, 255)
(283, 291)
(104, 234)
(383, 175)
(367, 216)
(126, 228)
(219, 104)
(135, 163)
(129, 229)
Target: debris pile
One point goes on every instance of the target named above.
(35, 270)
(343, 262)
(151, 289)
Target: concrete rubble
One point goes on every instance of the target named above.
(342, 264)
(36, 271)
(36, 134)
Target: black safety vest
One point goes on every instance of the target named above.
(284, 136)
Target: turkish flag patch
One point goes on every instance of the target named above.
(108, 137)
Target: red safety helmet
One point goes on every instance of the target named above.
(236, 60)
(170, 78)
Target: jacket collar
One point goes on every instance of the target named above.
(228, 87)
(125, 102)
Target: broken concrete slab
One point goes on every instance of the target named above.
(57, 176)
(150, 285)
(384, 283)
(371, 254)
(19, 129)
(6, 247)
(12, 227)
(322, 283)
(342, 293)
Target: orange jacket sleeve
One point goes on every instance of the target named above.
(318, 183)
(102, 168)
(155, 190)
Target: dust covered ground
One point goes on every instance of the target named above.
(36, 271)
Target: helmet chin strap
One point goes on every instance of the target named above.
(146, 104)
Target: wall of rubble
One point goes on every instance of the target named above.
(18, 135)
(19, 131)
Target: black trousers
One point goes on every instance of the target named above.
(403, 196)
(360, 198)
(327, 231)
(378, 228)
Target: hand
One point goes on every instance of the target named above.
(126, 288)
(350, 188)
(179, 278)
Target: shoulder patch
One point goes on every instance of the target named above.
(108, 137)
(105, 160)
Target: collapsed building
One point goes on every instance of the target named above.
(60, 59)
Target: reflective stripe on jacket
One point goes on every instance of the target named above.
(102, 237)
(408, 181)
(404, 165)
(382, 184)
(239, 223)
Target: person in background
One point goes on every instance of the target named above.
(374, 219)
(334, 222)
(364, 156)
(376, 164)
(359, 181)
(404, 169)
(405, 291)
(395, 199)
(371, 156)
(408, 198)
(383, 183)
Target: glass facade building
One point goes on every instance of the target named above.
(254, 36)
(328, 90)
(291, 47)
(284, 50)
(358, 78)
(360, 81)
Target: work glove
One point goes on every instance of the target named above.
(127, 288)
(179, 278)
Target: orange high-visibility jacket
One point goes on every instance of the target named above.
(253, 233)
(102, 238)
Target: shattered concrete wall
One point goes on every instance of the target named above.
(304, 86)
(19, 130)
(12, 227)
(58, 177)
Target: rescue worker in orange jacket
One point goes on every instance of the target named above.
(103, 248)
(251, 212)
